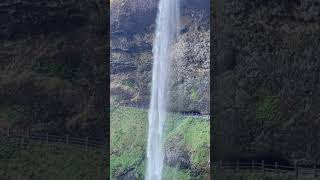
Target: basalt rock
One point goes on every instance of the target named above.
(132, 34)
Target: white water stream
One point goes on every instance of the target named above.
(167, 29)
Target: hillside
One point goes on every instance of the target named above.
(266, 79)
(132, 34)
(53, 66)
(186, 145)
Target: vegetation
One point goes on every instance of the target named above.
(40, 161)
(194, 95)
(68, 70)
(174, 173)
(129, 83)
(129, 140)
(268, 108)
(195, 135)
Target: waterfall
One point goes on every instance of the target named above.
(166, 32)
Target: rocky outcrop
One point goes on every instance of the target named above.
(177, 156)
(267, 77)
(53, 67)
(132, 32)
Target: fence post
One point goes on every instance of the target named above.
(296, 169)
(8, 132)
(315, 170)
(262, 166)
(277, 168)
(47, 138)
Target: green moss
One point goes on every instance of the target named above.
(268, 108)
(195, 135)
(129, 139)
(194, 95)
(170, 173)
(129, 83)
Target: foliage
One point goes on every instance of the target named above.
(195, 135)
(68, 71)
(268, 108)
(174, 173)
(194, 95)
(129, 83)
(8, 146)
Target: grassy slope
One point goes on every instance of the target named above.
(129, 139)
(51, 162)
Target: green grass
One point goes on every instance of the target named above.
(195, 135)
(40, 161)
(129, 139)
(170, 173)
(128, 129)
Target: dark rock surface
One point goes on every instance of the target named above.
(266, 78)
(176, 155)
(128, 175)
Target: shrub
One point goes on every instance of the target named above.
(268, 108)
(67, 71)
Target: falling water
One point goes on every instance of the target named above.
(166, 33)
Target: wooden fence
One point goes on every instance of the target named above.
(263, 168)
(26, 136)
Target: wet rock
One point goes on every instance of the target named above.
(177, 156)
(132, 29)
(128, 175)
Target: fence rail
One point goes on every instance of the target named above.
(265, 168)
(24, 136)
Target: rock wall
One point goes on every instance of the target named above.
(267, 80)
(132, 34)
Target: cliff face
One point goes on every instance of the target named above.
(132, 34)
(266, 83)
(53, 66)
